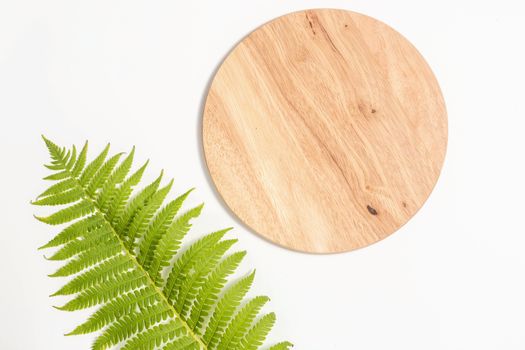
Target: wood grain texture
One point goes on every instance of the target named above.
(324, 130)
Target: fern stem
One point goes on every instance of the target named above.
(99, 213)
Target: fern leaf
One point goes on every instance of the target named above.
(134, 207)
(81, 161)
(157, 229)
(61, 198)
(131, 323)
(119, 247)
(170, 243)
(105, 271)
(257, 334)
(183, 343)
(92, 168)
(117, 308)
(75, 211)
(92, 240)
(75, 230)
(117, 203)
(57, 176)
(101, 176)
(186, 262)
(237, 329)
(212, 287)
(103, 292)
(285, 345)
(117, 176)
(59, 187)
(225, 309)
(156, 336)
(142, 219)
(196, 277)
(53, 166)
(88, 259)
(72, 159)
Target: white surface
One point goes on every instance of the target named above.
(134, 72)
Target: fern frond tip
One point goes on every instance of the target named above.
(285, 345)
(51, 146)
(40, 218)
(46, 140)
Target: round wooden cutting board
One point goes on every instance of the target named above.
(324, 130)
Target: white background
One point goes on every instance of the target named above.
(136, 73)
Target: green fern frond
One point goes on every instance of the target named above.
(125, 254)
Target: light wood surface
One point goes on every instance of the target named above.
(324, 130)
